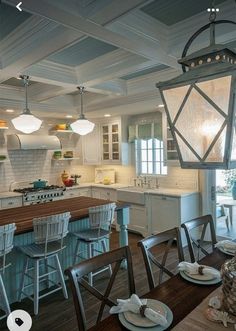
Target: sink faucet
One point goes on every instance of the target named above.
(157, 183)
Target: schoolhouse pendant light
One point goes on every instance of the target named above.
(200, 104)
(82, 126)
(26, 122)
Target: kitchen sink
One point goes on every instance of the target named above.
(132, 194)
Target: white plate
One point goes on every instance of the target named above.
(201, 277)
(198, 281)
(225, 251)
(138, 320)
(158, 327)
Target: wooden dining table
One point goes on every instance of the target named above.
(180, 295)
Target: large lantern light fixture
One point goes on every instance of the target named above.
(82, 126)
(200, 104)
(26, 122)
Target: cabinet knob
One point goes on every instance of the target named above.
(163, 198)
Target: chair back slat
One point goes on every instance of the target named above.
(51, 228)
(101, 216)
(150, 259)
(200, 223)
(76, 279)
(6, 242)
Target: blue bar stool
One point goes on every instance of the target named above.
(100, 220)
(6, 245)
(49, 233)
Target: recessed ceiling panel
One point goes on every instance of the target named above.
(10, 19)
(173, 11)
(145, 72)
(81, 52)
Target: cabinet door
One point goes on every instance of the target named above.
(111, 143)
(86, 192)
(71, 193)
(96, 193)
(91, 147)
(138, 219)
(165, 213)
(11, 202)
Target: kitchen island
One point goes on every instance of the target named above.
(23, 216)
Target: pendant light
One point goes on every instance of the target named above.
(26, 122)
(82, 126)
(200, 104)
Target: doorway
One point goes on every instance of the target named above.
(225, 204)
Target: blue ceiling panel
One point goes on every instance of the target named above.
(159, 67)
(10, 18)
(81, 52)
(173, 11)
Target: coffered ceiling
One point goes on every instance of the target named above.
(117, 49)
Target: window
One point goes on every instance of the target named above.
(150, 157)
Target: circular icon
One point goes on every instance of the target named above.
(19, 320)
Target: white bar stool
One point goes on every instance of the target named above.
(6, 245)
(49, 233)
(100, 220)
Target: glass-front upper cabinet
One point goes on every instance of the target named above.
(110, 143)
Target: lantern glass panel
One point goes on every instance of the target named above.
(217, 151)
(199, 122)
(218, 90)
(174, 98)
(233, 153)
(186, 153)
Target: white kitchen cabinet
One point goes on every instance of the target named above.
(138, 219)
(77, 192)
(91, 147)
(104, 193)
(171, 158)
(111, 143)
(166, 212)
(114, 142)
(11, 202)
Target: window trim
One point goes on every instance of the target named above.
(138, 159)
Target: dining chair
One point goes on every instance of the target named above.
(49, 233)
(196, 238)
(6, 246)
(150, 244)
(77, 280)
(98, 234)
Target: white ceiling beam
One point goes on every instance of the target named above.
(77, 23)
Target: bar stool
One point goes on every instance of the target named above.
(49, 233)
(100, 220)
(6, 245)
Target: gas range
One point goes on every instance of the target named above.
(33, 196)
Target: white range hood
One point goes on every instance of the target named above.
(24, 141)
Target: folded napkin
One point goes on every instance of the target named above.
(228, 245)
(197, 269)
(135, 305)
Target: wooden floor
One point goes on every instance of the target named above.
(57, 314)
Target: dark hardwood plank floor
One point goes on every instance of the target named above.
(57, 314)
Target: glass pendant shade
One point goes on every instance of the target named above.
(82, 126)
(26, 123)
(200, 107)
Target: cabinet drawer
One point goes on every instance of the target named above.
(71, 194)
(11, 202)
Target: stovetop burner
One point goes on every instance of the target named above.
(32, 189)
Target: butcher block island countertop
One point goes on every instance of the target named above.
(78, 207)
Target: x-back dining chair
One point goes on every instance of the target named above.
(201, 223)
(76, 280)
(150, 259)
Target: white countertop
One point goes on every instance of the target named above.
(161, 191)
(110, 186)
